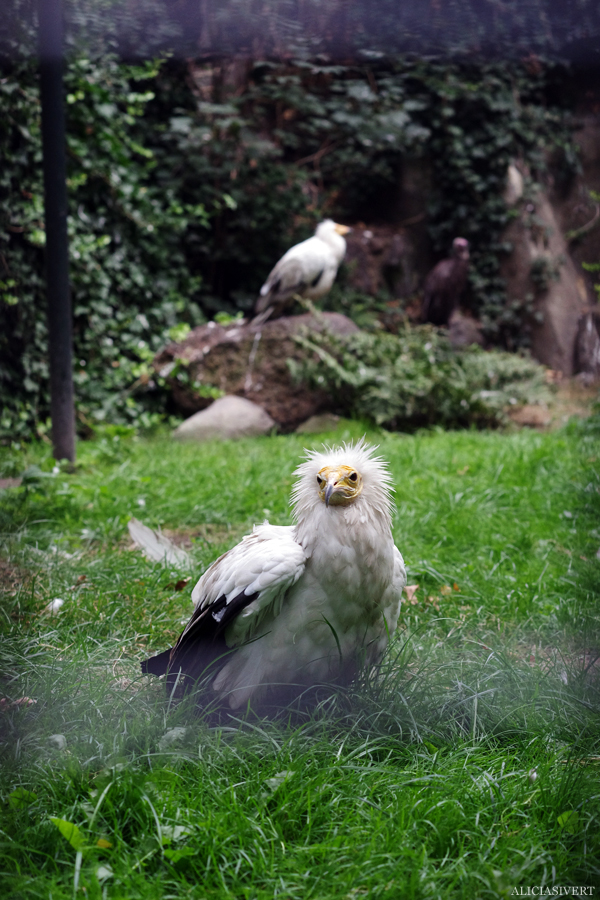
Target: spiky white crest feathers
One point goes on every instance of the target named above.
(377, 481)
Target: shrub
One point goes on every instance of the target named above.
(416, 379)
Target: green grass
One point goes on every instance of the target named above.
(468, 766)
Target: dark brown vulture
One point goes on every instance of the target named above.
(444, 285)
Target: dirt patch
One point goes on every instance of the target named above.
(531, 416)
(572, 397)
(208, 533)
(12, 578)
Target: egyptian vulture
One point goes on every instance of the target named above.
(307, 269)
(445, 283)
(293, 606)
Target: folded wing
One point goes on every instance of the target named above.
(308, 269)
(232, 599)
(287, 278)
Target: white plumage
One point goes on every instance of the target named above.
(300, 604)
(307, 269)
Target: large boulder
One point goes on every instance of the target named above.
(540, 266)
(249, 361)
(575, 203)
(560, 230)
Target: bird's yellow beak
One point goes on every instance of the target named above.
(339, 485)
(342, 229)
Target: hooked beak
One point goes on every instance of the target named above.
(329, 490)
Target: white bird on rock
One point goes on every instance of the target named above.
(294, 606)
(307, 270)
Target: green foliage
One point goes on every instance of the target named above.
(154, 217)
(352, 127)
(213, 155)
(129, 277)
(415, 378)
(179, 206)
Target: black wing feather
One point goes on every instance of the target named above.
(316, 280)
(202, 642)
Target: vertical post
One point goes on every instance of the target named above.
(60, 352)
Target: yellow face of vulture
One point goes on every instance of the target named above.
(339, 485)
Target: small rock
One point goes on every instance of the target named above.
(319, 423)
(228, 418)
(533, 775)
(58, 741)
(463, 330)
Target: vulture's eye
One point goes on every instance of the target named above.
(320, 481)
(353, 476)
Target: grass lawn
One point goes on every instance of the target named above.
(468, 767)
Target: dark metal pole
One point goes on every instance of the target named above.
(60, 327)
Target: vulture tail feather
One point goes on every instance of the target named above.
(201, 646)
(156, 665)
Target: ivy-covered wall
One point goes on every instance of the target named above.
(150, 243)
(185, 187)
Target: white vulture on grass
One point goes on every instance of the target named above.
(307, 269)
(298, 605)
